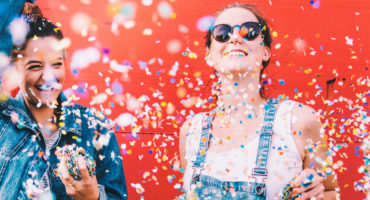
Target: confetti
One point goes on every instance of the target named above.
(70, 153)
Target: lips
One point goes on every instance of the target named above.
(48, 87)
(236, 52)
(44, 87)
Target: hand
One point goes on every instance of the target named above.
(308, 185)
(86, 188)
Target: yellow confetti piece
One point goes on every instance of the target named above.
(274, 34)
(3, 97)
(307, 71)
(62, 124)
(197, 74)
(193, 55)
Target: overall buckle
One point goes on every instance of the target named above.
(259, 175)
(196, 174)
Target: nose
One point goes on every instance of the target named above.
(235, 37)
(48, 75)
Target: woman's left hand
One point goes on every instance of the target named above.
(84, 189)
(308, 185)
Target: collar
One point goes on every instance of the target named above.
(69, 116)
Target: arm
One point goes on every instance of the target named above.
(109, 168)
(184, 130)
(315, 156)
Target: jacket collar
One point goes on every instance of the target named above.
(68, 119)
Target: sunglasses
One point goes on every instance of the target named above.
(248, 30)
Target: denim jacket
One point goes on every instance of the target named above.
(22, 150)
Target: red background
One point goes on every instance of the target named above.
(151, 155)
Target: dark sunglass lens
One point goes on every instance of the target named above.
(249, 30)
(221, 33)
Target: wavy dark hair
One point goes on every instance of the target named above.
(38, 26)
(267, 39)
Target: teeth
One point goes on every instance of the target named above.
(45, 87)
(235, 53)
(51, 86)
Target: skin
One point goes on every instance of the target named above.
(42, 72)
(244, 70)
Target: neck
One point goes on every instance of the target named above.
(240, 92)
(45, 118)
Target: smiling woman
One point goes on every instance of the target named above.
(247, 147)
(41, 119)
(42, 71)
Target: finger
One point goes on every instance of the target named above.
(316, 193)
(306, 178)
(83, 168)
(66, 177)
(299, 178)
(304, 187)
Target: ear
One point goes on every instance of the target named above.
(266, 53)
(209, 59)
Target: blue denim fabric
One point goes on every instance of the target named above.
(207, 187)
(211, 188)
(22, 150)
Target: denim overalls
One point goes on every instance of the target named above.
(211, 188)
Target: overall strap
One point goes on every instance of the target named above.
(203, 145)
(260, 171)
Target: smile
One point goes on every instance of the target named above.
(44, 87)
(238, 53)
(48, 87)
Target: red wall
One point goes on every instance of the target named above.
(298, 72)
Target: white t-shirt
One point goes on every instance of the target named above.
(284, 160)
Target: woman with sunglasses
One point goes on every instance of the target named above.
(251, 146)
(41, 119)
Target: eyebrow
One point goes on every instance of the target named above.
(39, 62)
(33, 62)
(58, 59)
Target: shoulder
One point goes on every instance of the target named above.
(91, 118)
(191, 124)
(306, 121)
(190, 132)
(89, 112)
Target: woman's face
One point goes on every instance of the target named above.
(237, 55)
(42, 71)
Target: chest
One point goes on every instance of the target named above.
(231, 132)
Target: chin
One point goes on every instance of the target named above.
(47, 99)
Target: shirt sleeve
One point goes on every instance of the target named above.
(109, 168)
